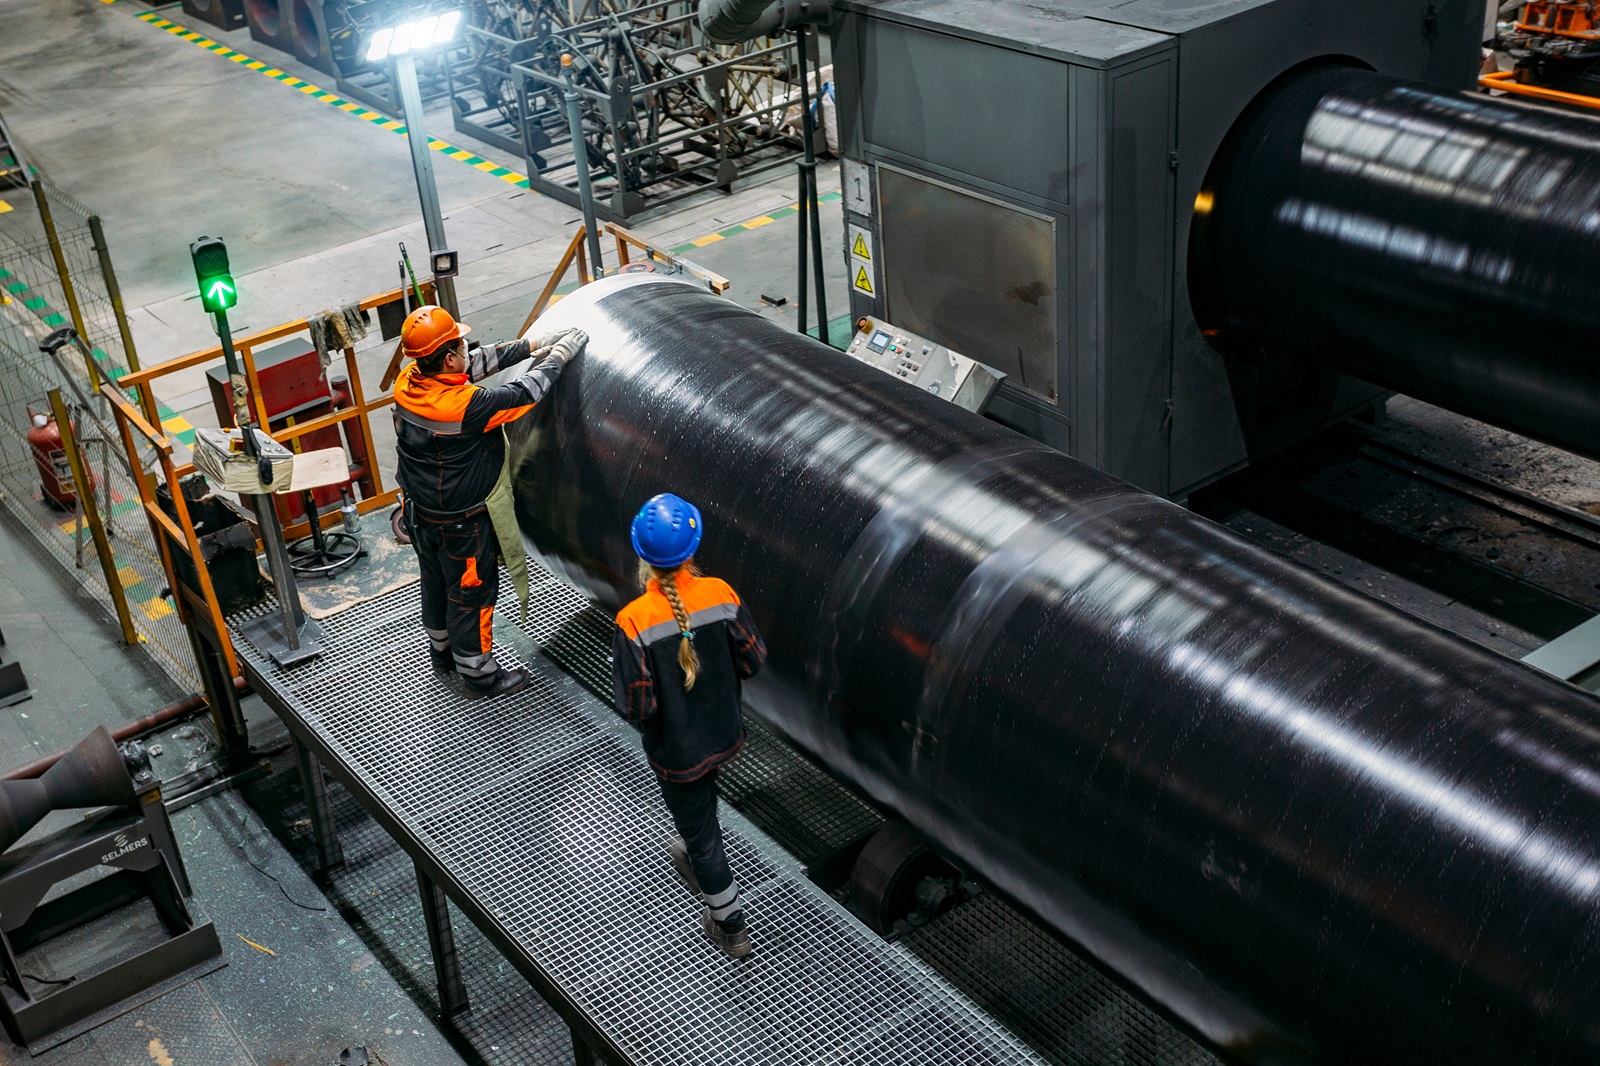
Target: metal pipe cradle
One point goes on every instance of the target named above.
(1302, 823)
(1442, 244)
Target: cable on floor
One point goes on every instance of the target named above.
(274, 880)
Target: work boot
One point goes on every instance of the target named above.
(503, 683)
(680, 862)
(443, 661)
(731, 934)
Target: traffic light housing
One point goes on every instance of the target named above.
(217, 290)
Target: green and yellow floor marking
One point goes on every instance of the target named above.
(149, 599)
(361, 111)
(176, 426)
(749, 224)
(723, 234)
(8, 163)
(444, 148)
(15, 288)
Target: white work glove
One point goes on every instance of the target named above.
(566, 344)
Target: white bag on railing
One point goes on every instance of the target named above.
(219, 455)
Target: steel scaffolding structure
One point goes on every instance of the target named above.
(665, 113)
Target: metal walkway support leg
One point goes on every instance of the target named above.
(227, 716)
(329, 853)
(582, 1053)
(442, 940)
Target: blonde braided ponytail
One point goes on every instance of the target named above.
(687, 659)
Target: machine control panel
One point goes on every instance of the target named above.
(931, 367)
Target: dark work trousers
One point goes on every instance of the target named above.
(694, 812)
(460, 563)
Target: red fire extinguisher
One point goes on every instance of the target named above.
(55, 472)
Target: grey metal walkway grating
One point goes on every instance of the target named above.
(581, 643)
(792, 799)
(375, 889)
(1058, 1003)
(541, 811)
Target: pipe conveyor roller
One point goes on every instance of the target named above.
(1309, 827)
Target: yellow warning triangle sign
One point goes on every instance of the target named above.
(860, 249)
(863, 283)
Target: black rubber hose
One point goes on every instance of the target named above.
(1301, 822)
(1442, 244)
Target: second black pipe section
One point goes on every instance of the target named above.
(1442, 244)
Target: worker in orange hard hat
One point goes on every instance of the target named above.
(455, 469)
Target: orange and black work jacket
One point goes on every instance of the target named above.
(687, 733)
(450, 454)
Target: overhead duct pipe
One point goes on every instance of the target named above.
(737, 21)
(1298, 820)
(1442, 244)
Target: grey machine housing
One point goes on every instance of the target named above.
(1028, 174)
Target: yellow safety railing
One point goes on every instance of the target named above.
(628, 245)
(359, 411)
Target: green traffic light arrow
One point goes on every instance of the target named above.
(217, 287)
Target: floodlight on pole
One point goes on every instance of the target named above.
(413, 35)
(401, 42)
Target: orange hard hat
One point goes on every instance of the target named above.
(426, 328)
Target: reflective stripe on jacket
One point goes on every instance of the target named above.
(687, 733)
(450, 455)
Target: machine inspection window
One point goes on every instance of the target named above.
(976, 275)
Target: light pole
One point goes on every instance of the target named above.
(401, 42)
(809, 217)
(580, 163)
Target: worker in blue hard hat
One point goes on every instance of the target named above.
(678, 655)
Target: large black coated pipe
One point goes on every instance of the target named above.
(1443, 244)
(1300, 821)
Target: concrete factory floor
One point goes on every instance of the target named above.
(166, 141)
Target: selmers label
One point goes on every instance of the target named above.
(123, 847)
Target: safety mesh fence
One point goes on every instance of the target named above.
(33, 303)
(77, 239)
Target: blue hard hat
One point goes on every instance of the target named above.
(667, 530)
